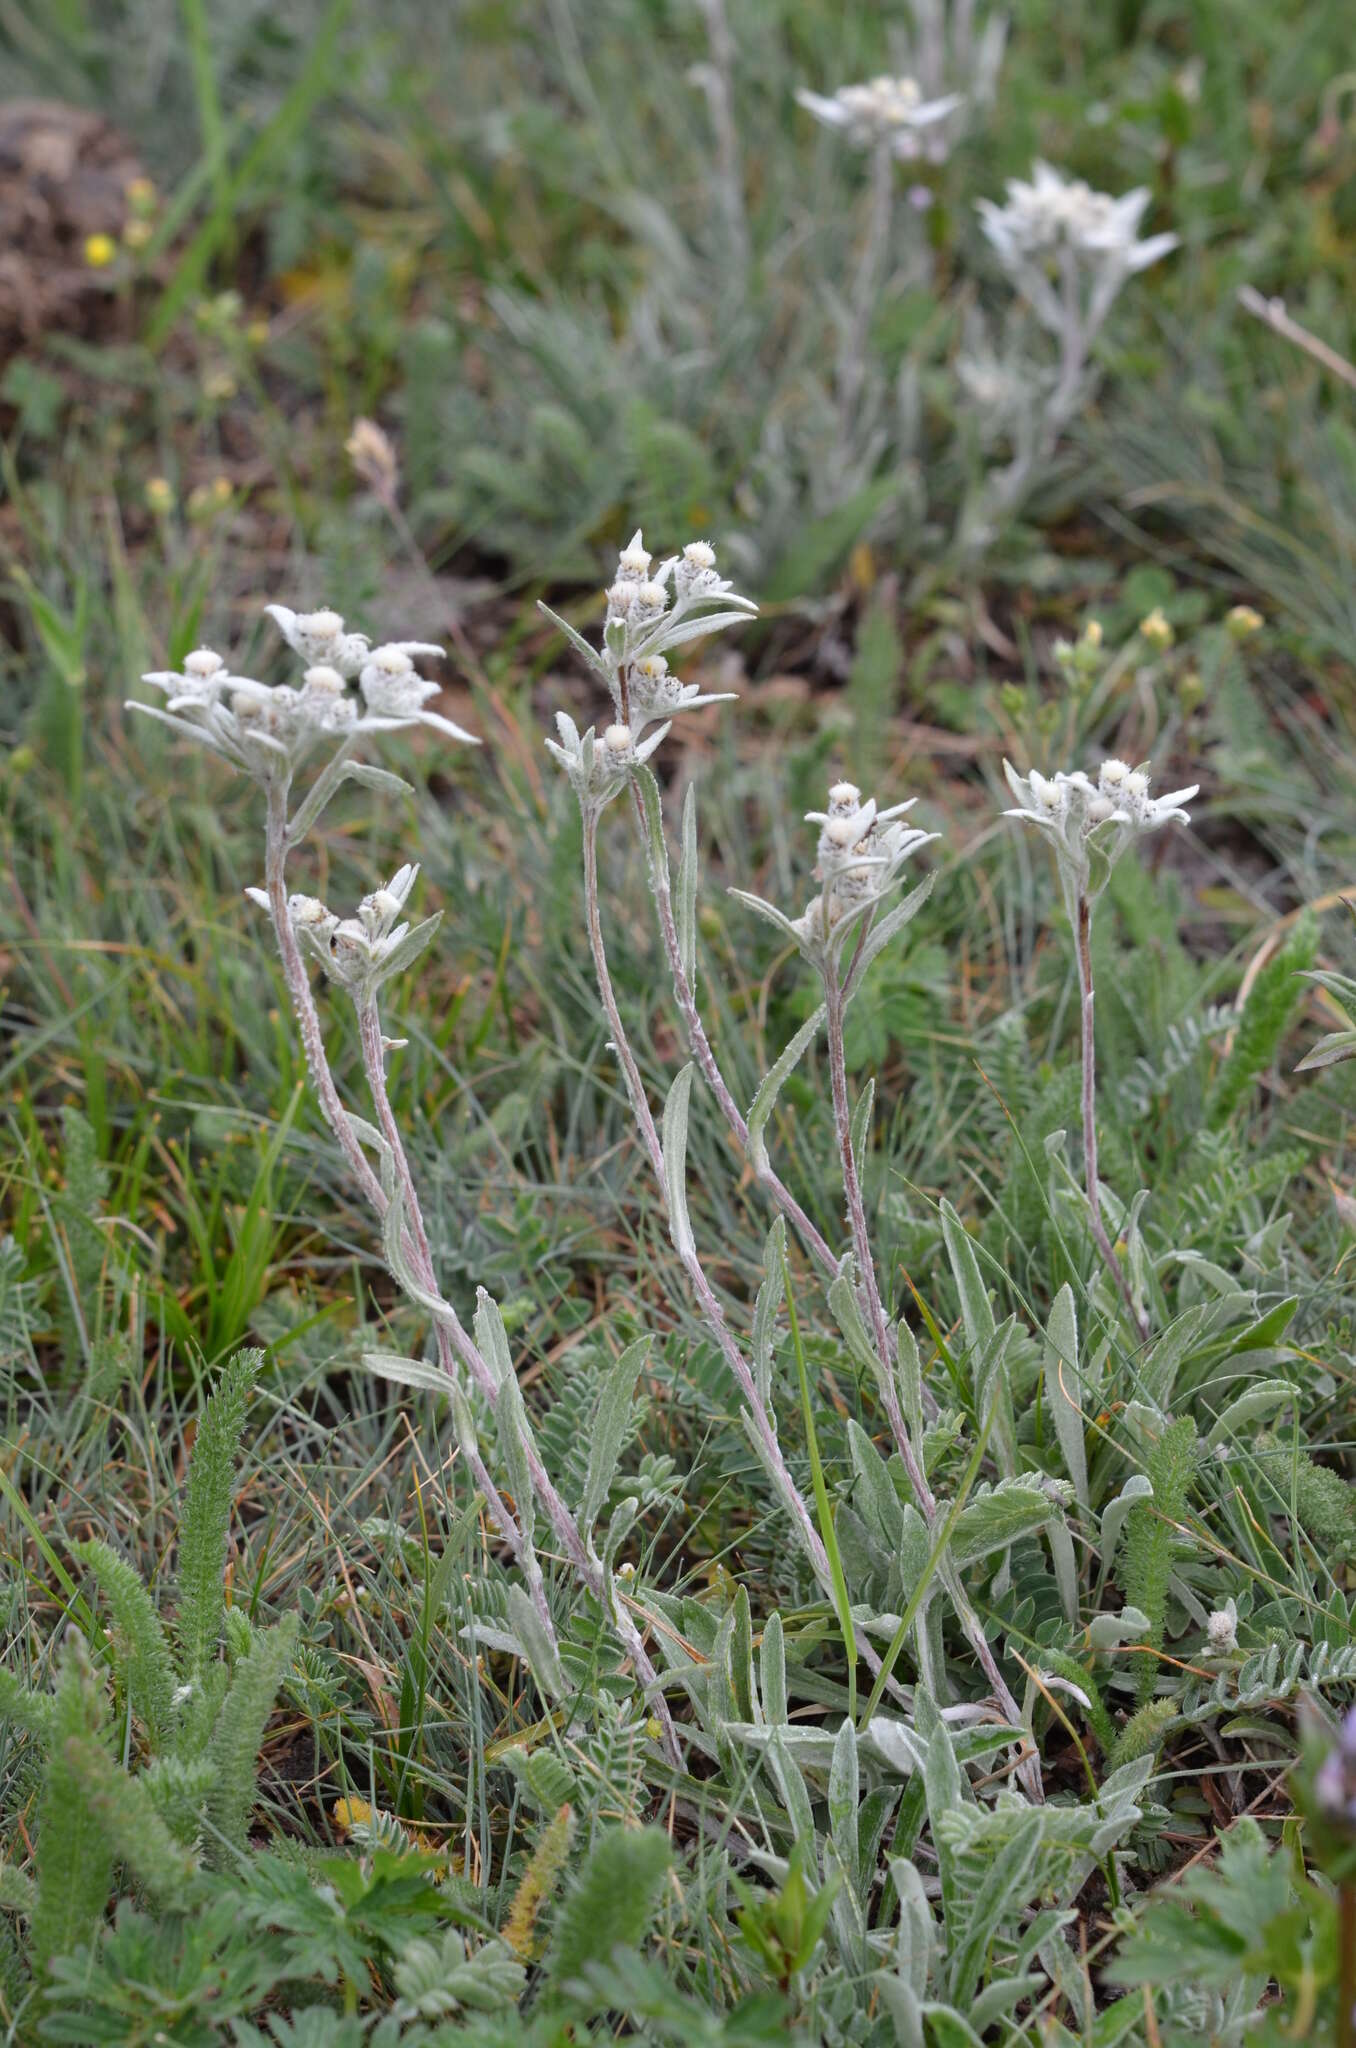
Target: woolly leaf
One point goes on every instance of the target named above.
(408, 1372)
(1063, 1388)
(765, 1101)
(674, 1142)
(685, 893)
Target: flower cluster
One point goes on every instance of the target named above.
(1052, 221)
(365, 950)
(599, 769)
(650, 611)
(886, 112)
(862, 853)
(268, 730)
(1090, 824)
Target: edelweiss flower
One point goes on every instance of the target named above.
(1088, 241)
(319, 638)
(267, 730)
(862, 852)
(599, 769)
(650, 611)
(1090, 824)
(362, 951)
(395, 693)
(1221, 1631)
(884, 111)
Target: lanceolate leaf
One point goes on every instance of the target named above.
(1063, 1389)
(674, 1140)
(765, 1101)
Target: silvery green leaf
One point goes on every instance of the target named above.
(408, 1372)
(993, 1393)
(765, 1308)
(1330, 1050)
(651, 805)
(372, 777)
(1003, 1892)
(674, 1143)
(861, 1123)
(885, 929)
(408, 949)
(765, 1101)
(943, 1789)
(1107, 1631)
(492, 1337)
(1158, 1374)
(515, 1435)
(772, 1671)
(844, 1795)
(685, 893)
(991, 1521)
(693, 629)
(576, 640)
(976, 1312)
(1064, 1388)
(464, 1424)
(741, 1658)
(790, 1783)
(536, 1645)
(610, 1419)
(1066, 1565)
(910, 1378)
(847, 1313)
(916, 1936)
(771, 913)
(1255, 1400)
(1137, 1487)
(886, 1507)
(902, 2006)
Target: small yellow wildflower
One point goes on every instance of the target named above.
(1156, 630)
(1242, 622)
(100, 251)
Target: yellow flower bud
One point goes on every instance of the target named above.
(100, 251)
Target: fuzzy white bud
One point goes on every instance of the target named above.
(203, 662)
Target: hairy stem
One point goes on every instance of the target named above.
(910, 1457)
(303, 1002)
(861, 1244)
(707, 1301)
(1083, 947)
(454, 1338)
(421, 1258)
(700, 1047)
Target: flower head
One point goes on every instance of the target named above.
(320, 637)
(396, 694)
(862, 855)
(887, 112)
(1089, 824)
(269, 730)
(599, 769)
(650, 611)
(1051, 222)
(361, 952)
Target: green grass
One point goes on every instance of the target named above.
(450, 223)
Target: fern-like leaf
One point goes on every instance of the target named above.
(234, 1747)
(141, 1657)
(1150, 1537)
(207, 1511)
(74, 1856)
